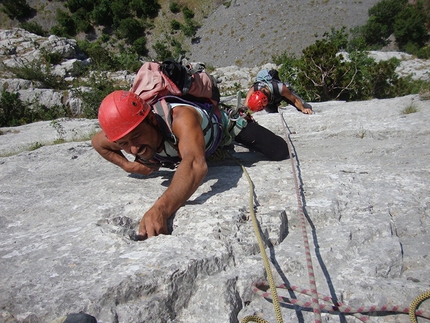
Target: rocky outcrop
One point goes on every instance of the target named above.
(18, 47)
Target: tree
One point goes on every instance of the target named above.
(410, 26)
(326, 75)
(75, 5)
(16, 9)
(102, 14)
(66, 25)
(162, 51)
(12, 109)
(120, 11)
(145, 8)
(130, 29)
(324, 72)
(380, 24)
(385, 11)
(81, 19)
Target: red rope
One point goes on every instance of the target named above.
(313, 291)
(330, 306)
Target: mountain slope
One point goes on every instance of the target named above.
(245, 33)
(249, 32)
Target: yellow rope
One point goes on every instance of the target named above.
(253, 318)
(414, 305)
(272, 285)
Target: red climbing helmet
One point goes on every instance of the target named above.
(257, 101)
(120, 112)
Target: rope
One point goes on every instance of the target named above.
(270, 291)
(337, 308)
(253, 318)
(414, 305)
(272, 285)
(314, 294)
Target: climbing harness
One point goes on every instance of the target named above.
(328, 305)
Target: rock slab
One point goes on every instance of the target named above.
(66, 216)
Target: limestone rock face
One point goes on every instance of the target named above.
(363, 178)
(19, 47)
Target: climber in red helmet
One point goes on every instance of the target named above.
(268, 91)
(178, 133)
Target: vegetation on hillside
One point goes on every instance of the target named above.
(335, 67)
(121, 26)
(338, 67)
(326, 72)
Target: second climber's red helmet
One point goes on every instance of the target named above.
(257, 101)
(120, 112)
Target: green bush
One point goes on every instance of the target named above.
(129, 60)
(34, 27)
(188, 13)
(53, 58)
(339, 38)
(101, 58)
(120, 10)
(410, 26)
(384, 82)
(175, 25)
(323, 73)
(12, 109)
(380, 24)
(38, 71)
(78, 69)
(14, 112)
(145, 8)
(190, 28)
(75, 5)
(42, 113)
(162, 51)
(139, 46)
(100, 86)
(385, 11)
(16, 9)
(174, 7)
(356, 41)
(424, 53)
(82, 20)
(66, 25)
(130, 30)
(102, 14)
(177, 48)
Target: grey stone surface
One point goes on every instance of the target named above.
(66, 215)
(248, 33)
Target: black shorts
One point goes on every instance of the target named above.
(258, 138)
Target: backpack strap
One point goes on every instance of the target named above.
(163, 113)
(277, 97)
(163, 108)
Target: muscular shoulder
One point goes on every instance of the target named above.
(185, 116)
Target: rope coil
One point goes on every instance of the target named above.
(414, 305)
(332, 307)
